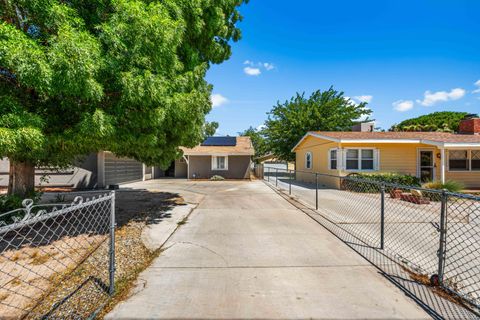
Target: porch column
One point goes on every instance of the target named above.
(442, 165)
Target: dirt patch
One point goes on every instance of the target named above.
(69, 277)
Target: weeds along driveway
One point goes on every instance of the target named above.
(247, 253)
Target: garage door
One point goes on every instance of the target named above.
(121, 170)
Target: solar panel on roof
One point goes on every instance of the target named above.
(220, 142)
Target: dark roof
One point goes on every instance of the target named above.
(242, 146)
(220, 142)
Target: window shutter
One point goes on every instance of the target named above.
(376, 159)
(342, 153)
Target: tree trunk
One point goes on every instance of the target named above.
(21, 179)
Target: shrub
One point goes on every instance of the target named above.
(217, 178)
(12, 202)
(450, 185)
(364, 184)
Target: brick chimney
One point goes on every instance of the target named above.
(470, 125)
(364, 127)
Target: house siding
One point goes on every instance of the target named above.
(201, 167)
(319, 149)
(181, 169)
(394, 157)
(82, 176)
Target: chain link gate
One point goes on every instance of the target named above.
(434, 235)
(41, 245)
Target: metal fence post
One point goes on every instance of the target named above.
(443, 231)
(382, 216)
(112, 245)
(268, 174)
(276, 177)
(316, 191)
(290, 182)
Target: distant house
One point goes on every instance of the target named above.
(272, 161)
(428, 155)
(229, 157)
(97, 170)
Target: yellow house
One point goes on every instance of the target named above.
(430, 156)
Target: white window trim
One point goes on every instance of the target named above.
(311, 160)
(338, 151)
(469, 158)
(376, 161)
(214, 163)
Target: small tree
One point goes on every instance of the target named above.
(126, 76)
(444, 121)
(288, 122)
(258, 140)
(210, 128)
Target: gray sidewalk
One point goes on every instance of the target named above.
(246, 253)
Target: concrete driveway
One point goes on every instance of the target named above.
(246, 253)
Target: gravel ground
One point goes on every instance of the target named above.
(83, 292)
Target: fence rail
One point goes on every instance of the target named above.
(40, 245)
(434, 234)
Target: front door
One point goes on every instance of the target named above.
(426, 165)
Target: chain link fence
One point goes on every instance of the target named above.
(41, 245)
(433, 235)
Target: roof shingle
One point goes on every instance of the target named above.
(243, 147)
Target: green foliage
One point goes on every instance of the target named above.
(258, 140)
(445, 121)
(126, 76)
(360, 182)
(450, 185)
(288, 122)
(217, 178)
(391, 177)
(12, 202)
(210, 128)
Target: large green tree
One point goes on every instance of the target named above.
(258, 140)
(445, 121)
(128, 76)
(326, 110)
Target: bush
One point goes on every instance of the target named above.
(450, 185)
(364, 184)
(12, 202)
(8, 203)
(217, 178)
(391, 177)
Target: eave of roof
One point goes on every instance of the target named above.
(438, 143)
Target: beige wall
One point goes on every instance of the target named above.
(201, 167)
(181, 169)
(394, 157)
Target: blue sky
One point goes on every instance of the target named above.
(407, 58)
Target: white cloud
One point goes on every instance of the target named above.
(268, 66)
(261, 127)
(218, 100)
(252, 71)
(255, 68)
(477, 84)
(431, 98)
(364, 98)
(403, 105)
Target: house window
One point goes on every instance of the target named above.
(367, 159)
(475, 160)
(458, 160)
(352, 159)
(360, 159)
(219, 163)
(333, 159)
(308, 160)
